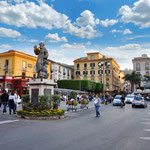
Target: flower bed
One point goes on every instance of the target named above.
(43, 115)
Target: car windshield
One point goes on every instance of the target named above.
(130, 96)
(138, 98)
(117, 97)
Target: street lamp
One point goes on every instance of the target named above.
(101, 64)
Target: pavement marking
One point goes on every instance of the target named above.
(145, 138)
(145, 123)
(146, 119)
(8, 121)
(148, 130)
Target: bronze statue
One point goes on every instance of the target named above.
(42, 61)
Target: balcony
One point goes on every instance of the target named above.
(92, 75)
(85, 68)
(85, 75)
(100, 74)
(5, 68)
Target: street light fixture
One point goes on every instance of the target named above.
(101, 64)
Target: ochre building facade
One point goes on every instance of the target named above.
(98, 67)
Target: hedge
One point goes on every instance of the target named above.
(84, 85)
(99, 87)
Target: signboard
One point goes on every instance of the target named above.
(9, 78)
(1, 77)
(30, 65)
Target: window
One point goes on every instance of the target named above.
(34, 68)
(137, 66)
(147, 73)
(64, 73)
(6, 62)
(24, 66)
(107, 72)
(78, 66)
(77, 73)
(23, 75)
(85, 73)
(6, 73)
(100, 80)
(100, 72)
(147, 66)
(92, 73)
(92, 65)
(85, 66)
(92, 57)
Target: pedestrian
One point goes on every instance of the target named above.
(4, 99)
(12, 103)
(17, 97)
(97, 104)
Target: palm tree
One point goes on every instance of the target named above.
(134, 79)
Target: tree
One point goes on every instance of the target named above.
(134, 79)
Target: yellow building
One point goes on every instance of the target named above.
(18, 64)
(91, 68)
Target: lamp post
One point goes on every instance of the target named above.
(101, 64)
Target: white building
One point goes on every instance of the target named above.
(141, 65)
(61, 71)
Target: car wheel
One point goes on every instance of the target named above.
(113, 104)
(133, 106)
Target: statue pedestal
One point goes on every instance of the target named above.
(38, 88)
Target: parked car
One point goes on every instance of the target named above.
(117, 100)
(129, 99)
(139, 101)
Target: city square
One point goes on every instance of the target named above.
(74, 75)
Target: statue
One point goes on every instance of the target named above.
(42, 61)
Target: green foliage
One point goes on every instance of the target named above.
(73, 95)
(99, 87)
(69, 84)
(85, 102)
(84, 85)
(38, 107)
(56, 101)
(75, 103)
(44, 99)
(25, 98)
(133, 77)
(84, 96)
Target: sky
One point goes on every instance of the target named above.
(71, 28)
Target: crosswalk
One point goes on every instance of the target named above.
(146, 122)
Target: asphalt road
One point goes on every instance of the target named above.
(117, 129)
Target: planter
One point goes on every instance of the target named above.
(53, 117)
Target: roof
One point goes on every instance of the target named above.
(17, 52)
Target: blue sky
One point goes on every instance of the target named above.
(72, 28)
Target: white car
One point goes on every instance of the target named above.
(129, 99)
(117, 100)
(139, 101)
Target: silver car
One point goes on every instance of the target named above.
(139, 102)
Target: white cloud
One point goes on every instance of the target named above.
(4, 32)
(127, 31)
(138, 14)
(26, 40)
(55, 38)
(87, 18)
(88, 43)
(108, 22)
(74, 46)
(32, 15)
(124, 32)
(124, 54)
(5, 46)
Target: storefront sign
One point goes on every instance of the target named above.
(9, 78)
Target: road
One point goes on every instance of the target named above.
(117, 129)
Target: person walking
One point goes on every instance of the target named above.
(12, 103)
(97, 104)
(4, 99)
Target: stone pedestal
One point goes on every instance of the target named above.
(38, 87)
